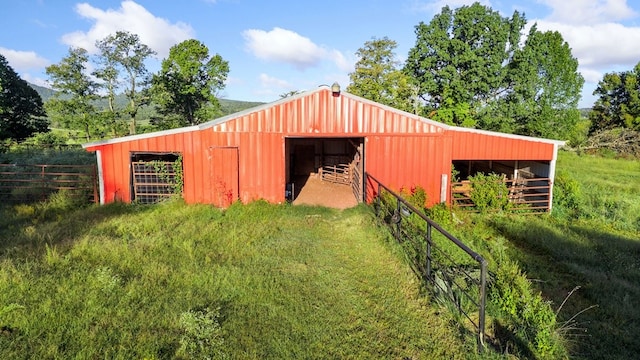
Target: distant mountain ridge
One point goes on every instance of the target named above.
(228, 106)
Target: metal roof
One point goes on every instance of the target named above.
(259, 108)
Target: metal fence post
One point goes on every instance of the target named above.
(428, 251)
(483, 296)
(43, 183)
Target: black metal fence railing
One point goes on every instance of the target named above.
(455, 274)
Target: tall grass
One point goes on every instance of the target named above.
(585, 256)
(176, 281)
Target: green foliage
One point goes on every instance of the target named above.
(72, 104)
(528, 317)
(455, 114)
(202, 336)
(544, 89)
(567, 194)
(123, 57)
(415, 196)
(21, 109)
(27, 156)
(170, 174)
(489, 192)
(185, 86)
(378, 76)
(618, 103)
(474, 38)
(472, 69)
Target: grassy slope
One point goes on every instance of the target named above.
(290, 282)
(596, 248)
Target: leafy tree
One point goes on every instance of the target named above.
(473, 70)
(379, 77)
(458, 61)
(21, 110)
(618, 104)
(184, 89)
(72, 105)
(107, 72)
(543, 89)
(123, 52)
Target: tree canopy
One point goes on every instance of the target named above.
(124, 53)
(618, 102)
(458, 61)
(72, 105)
(184, 89)
(21, 109)
(378, 76)
(472, 68)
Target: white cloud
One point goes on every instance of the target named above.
(599, 46)
(287, 46)
(35, 80)
(594, 31)
(589, 11)
(23, 60)
(271, 87)
(271, 82)
(344, 64)
(157, 33)
(591, 76)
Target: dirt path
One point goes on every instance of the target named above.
(317, 192)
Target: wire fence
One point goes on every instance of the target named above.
(455, 274)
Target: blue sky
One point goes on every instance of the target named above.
(274, 47)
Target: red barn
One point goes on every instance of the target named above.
(257, 153)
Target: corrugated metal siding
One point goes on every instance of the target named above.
(479, 146)
(407, 161)
(322, 114)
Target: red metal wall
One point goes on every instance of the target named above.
(401, 150)
(468, 145)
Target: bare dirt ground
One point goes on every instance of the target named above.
(313, 191)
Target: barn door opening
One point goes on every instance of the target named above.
(325, 171)
(224, 175)
(155, 176)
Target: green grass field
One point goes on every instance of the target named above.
(177, 281)
(592, 242)
(263, 281)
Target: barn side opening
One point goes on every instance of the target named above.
(528, 181)
(155, 176)
(325, 171)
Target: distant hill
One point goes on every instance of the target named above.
(45, 93)
(228, 106)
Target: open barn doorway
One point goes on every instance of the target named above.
(325, 171)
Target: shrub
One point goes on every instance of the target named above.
(489, 192)
(567, 193)
(528, 318)
(415, 196)
(202, 335)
